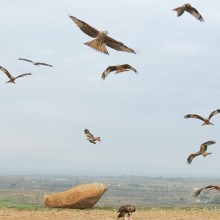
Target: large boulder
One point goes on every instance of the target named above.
(79, 197)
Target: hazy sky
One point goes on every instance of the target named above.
(140, 118)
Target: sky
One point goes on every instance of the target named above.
(140, 118)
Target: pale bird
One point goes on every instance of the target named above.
(11, 78)
(206, 120)
(118, 69)
(101, 38)
(211, 187)
(126, 209)
(202, 151)
(188, 7)
(35, 63)
(90, 137)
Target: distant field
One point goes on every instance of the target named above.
(102, 214)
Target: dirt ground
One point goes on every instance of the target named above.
(151, 214)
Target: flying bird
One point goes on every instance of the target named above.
(35, 63)
(126, 209)
(188, 7)
(90, 137)
(206, 120)
(202, 151)
(211, 187)
(101, 38)
(118, 69)
(11, 78)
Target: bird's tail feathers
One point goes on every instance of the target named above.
(98, 139)
(97, 45)
(206, 154)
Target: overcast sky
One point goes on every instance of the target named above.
(140, 118)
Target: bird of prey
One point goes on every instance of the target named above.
(35, 63)
(188, 7)
(90, 137)
(118, 69)
(11, 78)
(126, 209)
(202, 151)
(101, 38)
(211, 187)
(206, 120)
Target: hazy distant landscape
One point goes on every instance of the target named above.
(143, 192)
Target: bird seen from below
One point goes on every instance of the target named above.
(90, 137)
(35, 63)
(11, 78)
(126, 209)
(188, 7)
(118, 69)
(206, 120)
(101, 38)
(202, 151)
(207, 188)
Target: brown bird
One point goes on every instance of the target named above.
(211, 187)
(118, 69)
(11, 78)
(35, 63)
(101, 38)
(90, 137)
(188, 7)
(206, 120)
(126, 209)
(202, 151)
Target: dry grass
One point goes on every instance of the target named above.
(96, 214)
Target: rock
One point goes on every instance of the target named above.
(80, 197)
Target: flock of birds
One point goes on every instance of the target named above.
(99, 44)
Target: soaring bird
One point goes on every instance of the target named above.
(35, 63)
(211, 187)
(11, 78)
(126, 209)
(101, 38)
(90, 137)
(118, 69)
(202, 151)
(188, 7)
(206, 120)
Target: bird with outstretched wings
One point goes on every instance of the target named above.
(35, 63)
(12, 78)
(207, 188)
(118, 69)
(202, 151)
(90, 137)
(189, 8)
(101, 38)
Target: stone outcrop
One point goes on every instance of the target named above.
(79, 197)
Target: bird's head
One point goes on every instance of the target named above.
(104, 32)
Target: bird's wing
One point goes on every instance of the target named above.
(6, 72)
(179, 10)
(127, 66)
(26, 60)
(45, 64)
(87, 29)
(191, 156)
(203, 189)
(108, 70)
(214, 113)
(117, 45)
(194, 12)
(92, 141)
(88, 134)
(25, 74)
(194, 116)
(208, 143)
